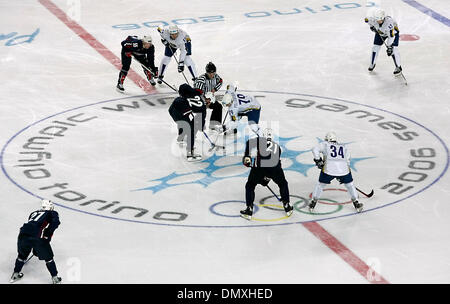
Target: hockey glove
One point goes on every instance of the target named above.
(372, 28)
(389, 50)
(164, 41)
(265, 181)
(181, 67)
(47, 236)
(319, 163)
(247, 161)
(220, 128)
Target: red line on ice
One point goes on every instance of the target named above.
(346, 254)
(94, 43)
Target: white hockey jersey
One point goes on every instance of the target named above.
(336, 157)
(178, 43)
(241, 104)
(388, 29)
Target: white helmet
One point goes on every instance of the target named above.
(331, 136)
(147, 39)
(227, 99)
(47, 204)
(173, 29)
(267, 133)
(379, 14)
(232, 87)
(210, 95)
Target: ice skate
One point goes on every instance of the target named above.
(247, 213)
(371, 67)
(56, 280)
(288, 208)
(358, 206)
(15, 277)
(398, 71)
(152, 82)
(120, 88)
(160, 78)
(193, 156)
(312, 205)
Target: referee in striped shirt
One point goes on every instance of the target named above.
(211, 82)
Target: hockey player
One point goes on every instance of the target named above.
(175, 38)
(265, 166)
(386, 31)
(240, 105)
(334, 164)
(144, 52)
(182, 112)
(211, 82)
(36, 235)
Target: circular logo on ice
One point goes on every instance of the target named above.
(119, 159)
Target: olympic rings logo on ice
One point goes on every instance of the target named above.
(299, 203)
(107, 159)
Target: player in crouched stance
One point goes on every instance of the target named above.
(334, 164)
(188, 111)
(36, 235)
(265, 166)
(386, 31)
(143, 51)
(240, 105)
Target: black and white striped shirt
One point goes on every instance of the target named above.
(207, 85)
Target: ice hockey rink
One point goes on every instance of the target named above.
(132, 209)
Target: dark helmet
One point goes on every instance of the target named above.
(210, 67)
(187, 91)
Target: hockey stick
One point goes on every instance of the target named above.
(173, 54)
(401, 72)
(273, 193)
(367, 195)
(213, 145)
(32, 255)
(159, 78)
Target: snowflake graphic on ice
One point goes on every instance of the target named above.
(208, 171)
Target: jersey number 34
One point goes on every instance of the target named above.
(335, 151)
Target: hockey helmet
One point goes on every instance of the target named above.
(210, 68)
(268, 134)
(331, 137)
(379, 15)
(210, 95)
(47, 204)
(147, 39)
(173, 29)
(232, 87)
(227, 99)
(187, 91)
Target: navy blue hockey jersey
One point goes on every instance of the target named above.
(41, 224)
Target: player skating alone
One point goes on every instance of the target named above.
(36, 235)
(386, 31)
(266, 165)
(334, 164)
(240, 105)
(175, 39)
(144, 52)
(211, 82)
